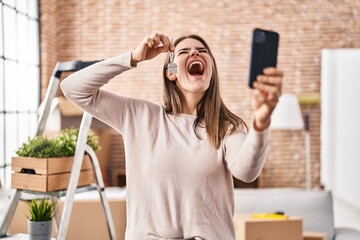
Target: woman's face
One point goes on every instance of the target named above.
(194, 66)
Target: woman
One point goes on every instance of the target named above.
(180, 157)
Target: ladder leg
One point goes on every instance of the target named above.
(9, 211)
(74, 176)
(49, 96)
(101, 190)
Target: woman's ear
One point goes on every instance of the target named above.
(170, 76)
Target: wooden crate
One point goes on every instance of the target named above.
(48, 174)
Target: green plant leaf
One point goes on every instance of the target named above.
(40, 210)
(61, 146)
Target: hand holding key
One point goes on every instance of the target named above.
(151, 46)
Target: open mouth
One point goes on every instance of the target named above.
(196, 68)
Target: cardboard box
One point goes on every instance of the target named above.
(248, 228)
(48, 174)
(69, 109)
(314, 236)
(87, 219)
(103, 155)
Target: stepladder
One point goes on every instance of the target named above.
(62, 218)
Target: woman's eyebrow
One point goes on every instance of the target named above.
(188, 49)
(184, 49)
(201, 48)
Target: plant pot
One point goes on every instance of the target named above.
(40, 230)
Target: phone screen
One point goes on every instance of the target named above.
(264, 50)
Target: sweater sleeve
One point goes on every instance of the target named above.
(245, 154)
(83, 89)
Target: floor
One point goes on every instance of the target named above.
(345, 215)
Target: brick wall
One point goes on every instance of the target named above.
(91, 30)
(48, 41)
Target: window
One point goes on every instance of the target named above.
(19, 78)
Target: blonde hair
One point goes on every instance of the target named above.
(218, 119)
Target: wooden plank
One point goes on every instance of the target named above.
(307, 235)
(37, 164)
(62, 165)
(29, 181)
(61, 181)
(46, 166)
(48, 183)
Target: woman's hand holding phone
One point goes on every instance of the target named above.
(266, 94)
(264, 78)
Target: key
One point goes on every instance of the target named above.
(172, 67)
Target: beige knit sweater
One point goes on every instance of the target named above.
(178, 186)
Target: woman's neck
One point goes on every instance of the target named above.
(189, 102)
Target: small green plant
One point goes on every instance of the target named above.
(61, 146)
(39, 147)
(67, 141)
(40, 210)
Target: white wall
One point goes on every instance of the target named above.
(340, 123)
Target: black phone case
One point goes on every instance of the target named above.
(264, 50)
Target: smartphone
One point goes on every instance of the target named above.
(264, 51)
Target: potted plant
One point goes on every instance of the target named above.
(40, 214)
(44, 164)
(61, 146)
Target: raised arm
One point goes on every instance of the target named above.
(83, 89)
(82, 86)
(246, 154)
